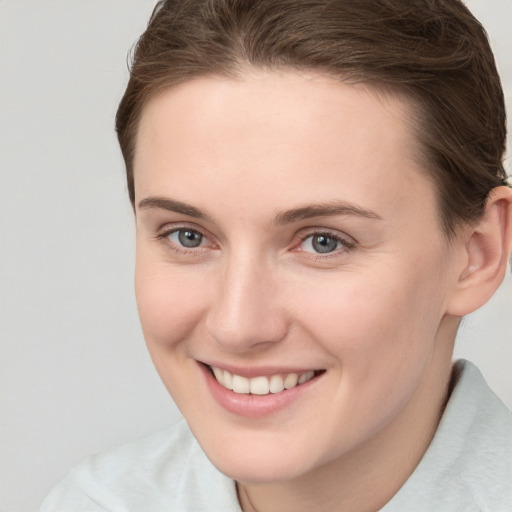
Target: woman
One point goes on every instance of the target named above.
(320, 198)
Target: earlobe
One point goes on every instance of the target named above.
(487, 250)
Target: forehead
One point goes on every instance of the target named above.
(300, 137)
(282, 104)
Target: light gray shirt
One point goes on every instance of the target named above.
(467, 467)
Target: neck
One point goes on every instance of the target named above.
(366, 478)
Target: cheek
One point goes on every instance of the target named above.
(168, 302)
(381, 325)
(170, 309)
(356, 313)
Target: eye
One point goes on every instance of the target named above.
(324, 243)
(187, 238)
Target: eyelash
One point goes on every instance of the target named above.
(164, 237)
(345, 244)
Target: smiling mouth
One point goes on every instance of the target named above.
(262, 385)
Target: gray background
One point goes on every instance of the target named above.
(75, 376)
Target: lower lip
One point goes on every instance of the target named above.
(255, 406)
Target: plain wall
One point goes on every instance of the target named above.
(75, 375)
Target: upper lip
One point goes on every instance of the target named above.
(259, 371)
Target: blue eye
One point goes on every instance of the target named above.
(324, 243)
(187, 238)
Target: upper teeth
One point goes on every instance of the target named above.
(260, 385)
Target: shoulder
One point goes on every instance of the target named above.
(468, 465)
(158, 472)
(478, 432)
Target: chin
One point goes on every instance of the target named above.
(259, 470)
(260, 460)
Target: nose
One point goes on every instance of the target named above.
(247, 313)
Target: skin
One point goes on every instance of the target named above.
(376, 313)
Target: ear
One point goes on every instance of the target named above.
(487, 246)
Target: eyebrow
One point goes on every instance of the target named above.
(323, 210)
(281, 219)
(163, 203)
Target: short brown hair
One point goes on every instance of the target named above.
(434, 51)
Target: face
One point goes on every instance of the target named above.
(288, 244)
